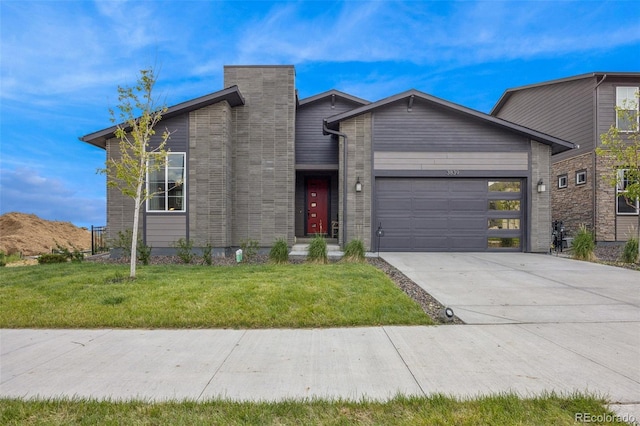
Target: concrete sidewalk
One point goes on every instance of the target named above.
(377, 363)
(538, 324)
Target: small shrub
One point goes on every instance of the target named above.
(185, 249)
(583, 245)
(144, 252)
(123, 242)
(50, 258)
(279, 252)
(249, 249)
(3, 259)
(206, 253)
(354, 251)
(318, 250)
(77, 256)
(630, 251)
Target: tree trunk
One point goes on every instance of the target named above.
(134, 232)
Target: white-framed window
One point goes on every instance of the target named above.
(627, 101)
(563, 181)
(624, 206)
(581, 177)
(167, 184)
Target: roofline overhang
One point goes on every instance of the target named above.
(558, 145)
(231, 94)
(330, 93)
(507, 93)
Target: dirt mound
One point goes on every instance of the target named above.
(30, 235)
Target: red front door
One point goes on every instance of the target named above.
(317, 206)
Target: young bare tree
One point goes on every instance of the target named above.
(621, 143)
(138, 117)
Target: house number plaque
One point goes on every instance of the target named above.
(453, 172)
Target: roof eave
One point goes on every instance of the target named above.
(231, 94)
(558, 145)
(333, 92)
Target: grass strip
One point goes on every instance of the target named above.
(91, 295)
(503, 409)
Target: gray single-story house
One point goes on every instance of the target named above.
(257, 163)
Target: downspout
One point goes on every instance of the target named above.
(595, 162)
(327, 131)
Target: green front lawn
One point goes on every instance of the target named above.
(91, 295)
(436, 410)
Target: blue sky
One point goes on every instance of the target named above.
(62, 61)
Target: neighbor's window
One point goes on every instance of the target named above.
(623, 204)
(563, 181)
(167, 184)
(581, 177)
(627, 101)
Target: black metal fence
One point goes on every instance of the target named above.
(98, 239)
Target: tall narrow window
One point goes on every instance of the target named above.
(623, 204)
(627, 103)
(167, 184)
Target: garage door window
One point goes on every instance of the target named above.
(504, 186)
(504, 215)
(504, 205)
(503, 242)
(504, 223)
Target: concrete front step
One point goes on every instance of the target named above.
(302, 250)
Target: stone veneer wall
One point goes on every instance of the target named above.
(263, 150)
(574, 204)
(359, 157)
(605, 213)
(209, 171)
(540, 218)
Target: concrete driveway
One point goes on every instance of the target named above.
(522, 288)
(566, 321)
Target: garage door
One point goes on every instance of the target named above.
(430, 214)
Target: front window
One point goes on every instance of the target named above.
(165, 181)
(627, 103)
(624, 205)
(581, 177)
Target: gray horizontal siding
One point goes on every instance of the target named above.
(312, 147)
(607, 101)
(179, 129)
(429, 128)
(564, 110)
(626, 227)
(165, 230)
(384, 160)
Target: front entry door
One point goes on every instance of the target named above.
(317, 206)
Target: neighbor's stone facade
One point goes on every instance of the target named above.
(574, 204)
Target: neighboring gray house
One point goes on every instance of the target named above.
(257, 163)
(579, 109)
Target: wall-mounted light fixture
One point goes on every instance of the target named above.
(541, 186)
(358, 185)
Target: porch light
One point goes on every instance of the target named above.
(358, 185)
(541, 186)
